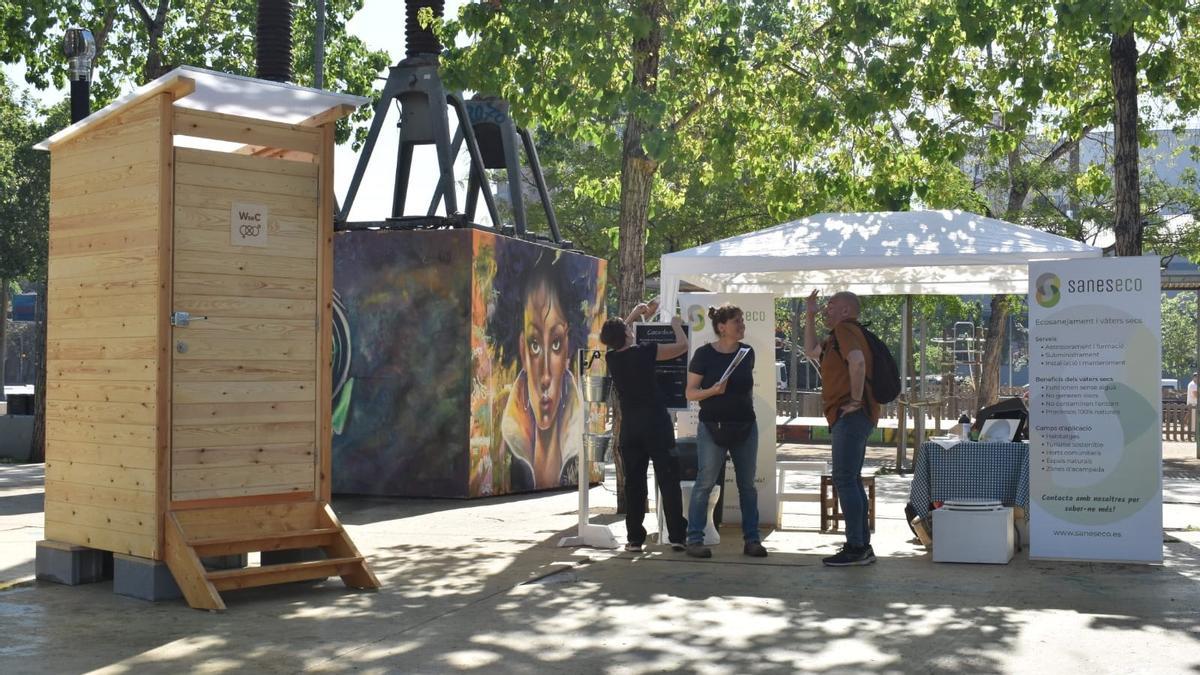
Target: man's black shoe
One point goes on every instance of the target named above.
(754, 549)
(699, 551)
(851, 556)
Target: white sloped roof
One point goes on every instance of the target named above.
(881, 253)
(227, 94)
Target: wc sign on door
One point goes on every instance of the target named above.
(248, 225)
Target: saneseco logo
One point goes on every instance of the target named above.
(695, 316)
(1048, 290)
(1126, 285)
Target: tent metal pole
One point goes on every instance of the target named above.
(920, 423)
(795, 341)
(902, 407)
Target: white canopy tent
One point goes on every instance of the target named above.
(884, 253)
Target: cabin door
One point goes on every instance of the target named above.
(244, 317)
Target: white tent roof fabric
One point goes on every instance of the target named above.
(882, 253)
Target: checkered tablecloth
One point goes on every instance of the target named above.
(997, 471)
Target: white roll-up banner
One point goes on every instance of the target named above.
(758, 310)
(1095, 410)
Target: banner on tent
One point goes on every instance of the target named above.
(1096, 410)
(759, 312)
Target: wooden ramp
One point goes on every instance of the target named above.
(201, 533)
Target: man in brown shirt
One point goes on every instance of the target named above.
(851, 411)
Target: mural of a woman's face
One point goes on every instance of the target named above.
(544, 352)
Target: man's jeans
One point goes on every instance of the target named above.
(709, 459)
(850, 433)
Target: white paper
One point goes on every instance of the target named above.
(998, 431)
(737, 358)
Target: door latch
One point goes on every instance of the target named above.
(184, 318)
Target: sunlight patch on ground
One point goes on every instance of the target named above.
(184, 650)
(465, 659)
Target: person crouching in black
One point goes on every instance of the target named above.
(647, 433)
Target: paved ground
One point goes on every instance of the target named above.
(481, 586)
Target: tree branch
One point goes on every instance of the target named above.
(143, 13)
(110, 15)
(1053, 205)
(1064, 147)
(794, 69)
(208, 8)
(692, 110)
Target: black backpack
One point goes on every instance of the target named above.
(884, 378)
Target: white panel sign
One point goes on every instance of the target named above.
(759, 312)
(1095, 412)
(248, 224)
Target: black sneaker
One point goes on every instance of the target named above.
(699, 551)
(678, 547)
(754, 549)
(635, 548)
(851, 556)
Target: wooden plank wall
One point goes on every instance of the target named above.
(103, 358)
(245, 391)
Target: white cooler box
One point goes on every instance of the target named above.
(973, 532)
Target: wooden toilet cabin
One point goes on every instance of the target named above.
(189, 332)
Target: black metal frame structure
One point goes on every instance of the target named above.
(484, 125)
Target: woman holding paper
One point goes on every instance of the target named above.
(646, 432)
(721, 378)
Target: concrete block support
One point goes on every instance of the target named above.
(72, 565)
(143, 578)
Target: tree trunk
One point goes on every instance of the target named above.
(637, 180)
(1127, 224)
(1018, 185)
(39, 374)
(3, 331)
(154, 65)
(1073, 191)
(989, 380)
(993, 345)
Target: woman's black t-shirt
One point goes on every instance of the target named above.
(737, 403)
(645, 419)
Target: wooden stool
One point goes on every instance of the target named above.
(781, 492)
(831, 510)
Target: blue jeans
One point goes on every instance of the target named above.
(850, 433)
(709, 459)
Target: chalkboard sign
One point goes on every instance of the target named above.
(671, 376)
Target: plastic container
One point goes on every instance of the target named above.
(973, 532)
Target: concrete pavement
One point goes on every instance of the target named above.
(480, 585)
